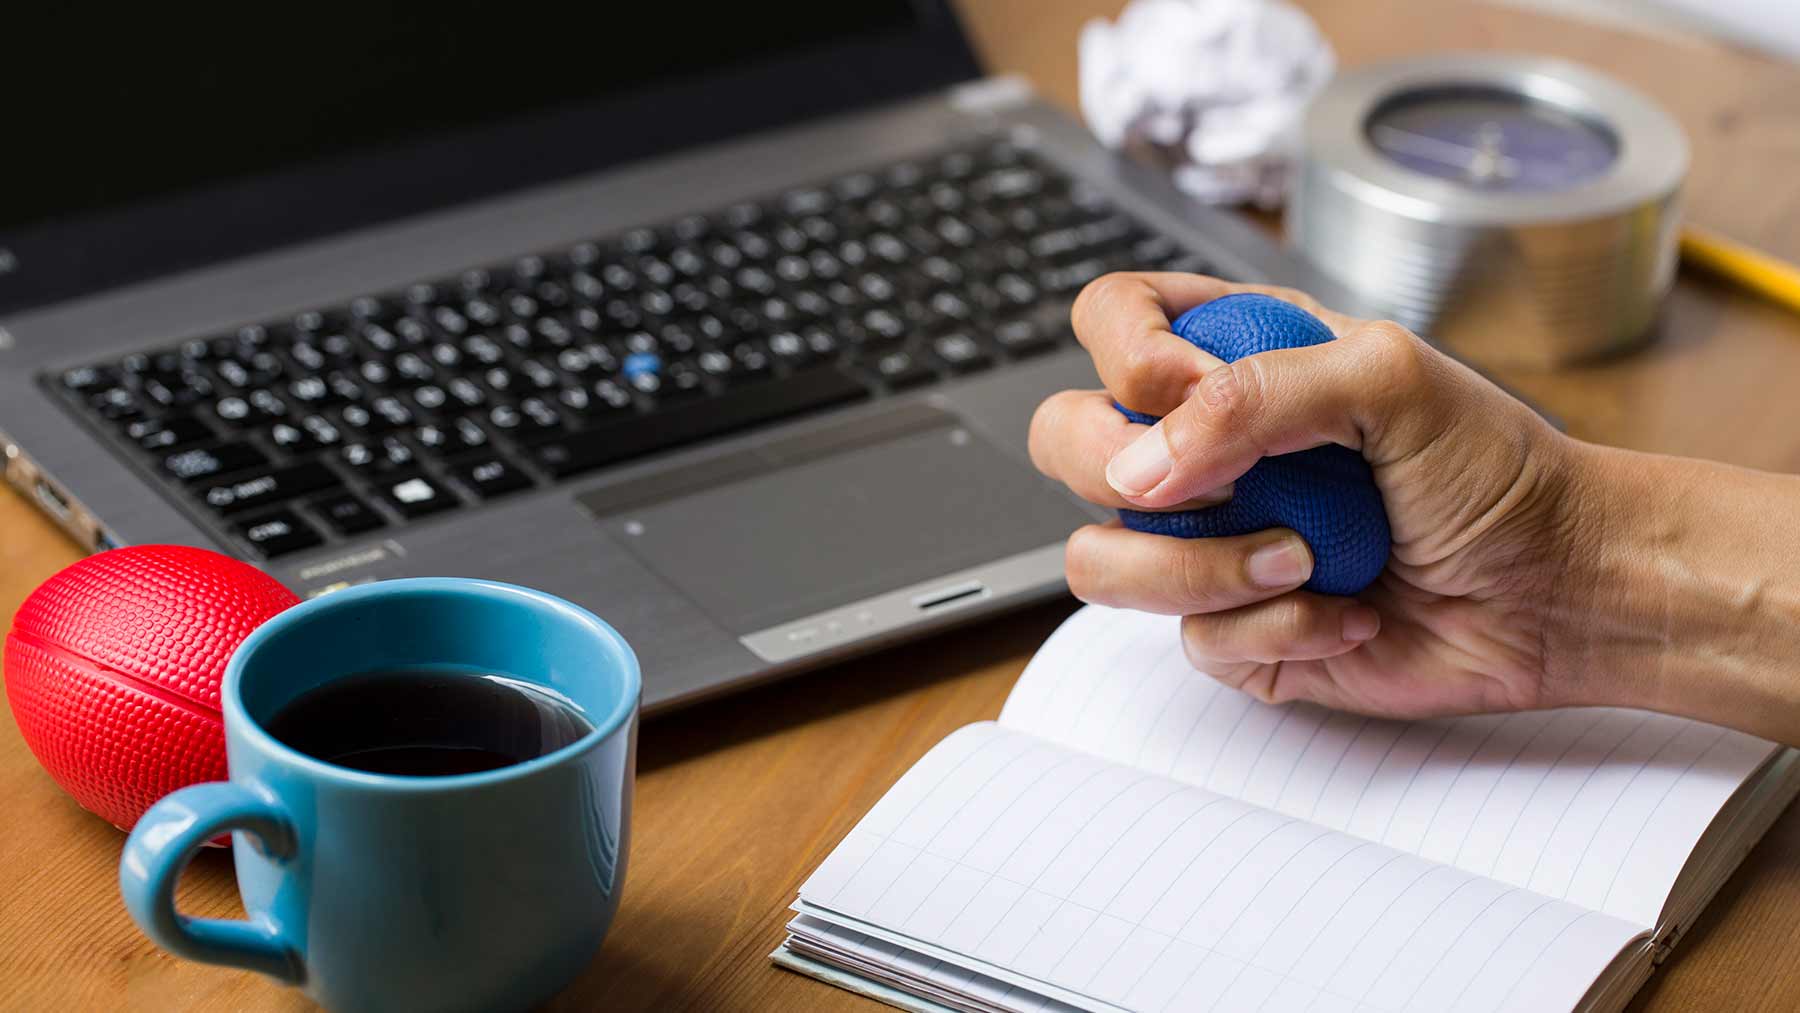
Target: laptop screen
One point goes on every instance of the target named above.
(161, 136)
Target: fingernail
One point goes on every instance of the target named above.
(1142, 465)
(1280, 564)
(1361, 624)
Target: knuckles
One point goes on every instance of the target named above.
(1098, 294)
(1081, 564)
(1399, 357)
(1293, 616)
(1117, 319)
(1198, 580)
(1230, 396)
(1137, 379)
(1195, 642)
(1046, 425)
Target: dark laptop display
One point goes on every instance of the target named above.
(183, 134)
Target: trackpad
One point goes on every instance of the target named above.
(826, 519)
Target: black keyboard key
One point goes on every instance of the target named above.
(279, 533)
(951, 306)
(347, 514)
(263, 488)
(538, 376)
(415, 495)
(85, 379)
(1009, 184)
(307, 356)
(169, 433)
(750, 361)
(537, 415)
(366, 456)
(733, 410)
(1023, 337)
(117, 403)
(716, 364)
(265, 404)
(291, 438)
(490, 476)
(204, 462)
(309, 391)
(790, 348)
(233, 411)
(388, 412)
(1014, 290)
(304, 435)
(681, 379)
(900, 370)
(506, 418)
(155, 390)
(1066, 281)
(960, 353)
(454, 437)
(602, 398)
(882, 325)
(188, 386)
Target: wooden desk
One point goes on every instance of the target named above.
(739, 800)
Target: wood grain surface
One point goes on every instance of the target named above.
(740, 798)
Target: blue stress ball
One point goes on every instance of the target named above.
(1327, 494)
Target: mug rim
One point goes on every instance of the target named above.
(235, 713)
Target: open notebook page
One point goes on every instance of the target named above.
(1103, 886)
(1597, 806)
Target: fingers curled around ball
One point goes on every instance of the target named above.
(1123, 321)
(1111, 565)
(1297, 626)
(1263, 405)
(1075, 433)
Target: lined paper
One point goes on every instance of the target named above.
(1596, 806)
(1025, 861)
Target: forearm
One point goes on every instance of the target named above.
(1682, 592)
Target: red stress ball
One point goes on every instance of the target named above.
(113, 669)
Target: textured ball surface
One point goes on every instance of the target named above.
(1327, 494)
(113, 669)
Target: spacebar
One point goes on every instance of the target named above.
(696, 420)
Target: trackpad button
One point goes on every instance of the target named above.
(817, 524)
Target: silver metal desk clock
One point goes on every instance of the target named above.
(1528, 194)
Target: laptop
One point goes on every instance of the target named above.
(726, 324)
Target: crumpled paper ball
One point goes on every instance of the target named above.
(1213, 88)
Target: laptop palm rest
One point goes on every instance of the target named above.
(805, 525)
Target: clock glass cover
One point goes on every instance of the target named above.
(1489, 139)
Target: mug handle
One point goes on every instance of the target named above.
(160, 847)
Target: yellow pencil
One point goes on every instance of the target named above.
(1773, 279)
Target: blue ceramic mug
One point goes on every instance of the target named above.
(482, 891)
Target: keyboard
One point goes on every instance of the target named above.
(401, 405)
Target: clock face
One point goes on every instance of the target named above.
(1491, 140)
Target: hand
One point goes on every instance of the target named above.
(1478, 489)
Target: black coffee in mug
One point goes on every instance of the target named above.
(426, 722)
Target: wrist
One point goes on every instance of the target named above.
(1587, 509)
(1681, 590)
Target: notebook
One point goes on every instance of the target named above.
(1130, 835)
